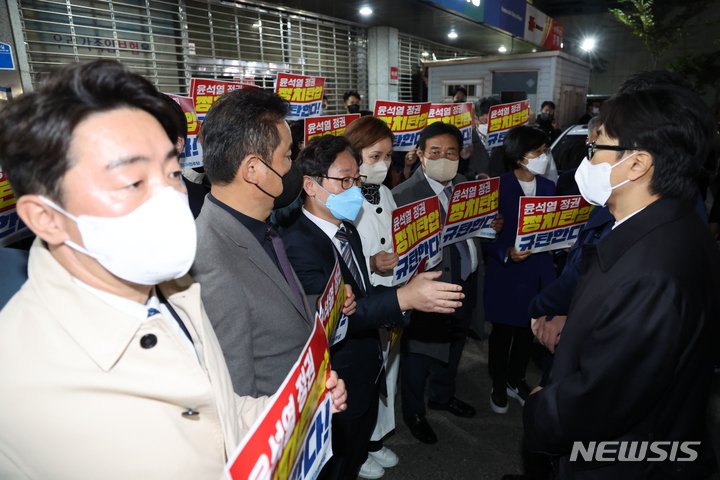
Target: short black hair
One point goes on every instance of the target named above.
(482, 106)
(547, 103)
(460, 89)
(440, 128)
(36, 128)
(648, 79)
(297, 131)
(321, 152)
(181, 119)
(351, 93)
(519, 141)
(241, 123)
(673, 124)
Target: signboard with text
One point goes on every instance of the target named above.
(406, 120)
(550, 223)
(416, 236)
(472, 208)
(542, 30)
(502, 118)
(205, 92)
(304, 94)
(330, 305)
(192, 155)
(328, 125)
(458, 114)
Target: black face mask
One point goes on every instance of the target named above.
(292, 183)
(353, 108)
(546, 116)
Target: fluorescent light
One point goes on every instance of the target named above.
(366, 11)
(502, 49)
(425, 54)
(452, 35)
(588, 44)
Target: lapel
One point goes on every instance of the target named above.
(255, 253)
(356, 246)
(184, 296)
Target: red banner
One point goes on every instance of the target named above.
(329, 125)
(416, 235)
(192, 154)
(304, 94)
(330, 306)
(406, 120)
(205, 92)
(458, 114)
(502, 118)
(472, 208)
(550, 223)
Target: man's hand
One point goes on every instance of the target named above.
(424, 294)
(548, 332)
(337, 390)
(467, 152)
(498, 223)
(383, 262)
(350, 304)
(516, 256)
(535, 390)
(484, 176)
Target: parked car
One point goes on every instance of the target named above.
(569, 149)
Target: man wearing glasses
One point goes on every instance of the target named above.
(323, 233)
(628, 394)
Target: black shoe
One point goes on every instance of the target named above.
(420, 429)
(519, 392)
(455, 406)
(499, 400)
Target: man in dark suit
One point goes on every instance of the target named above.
(322, 234)
(251, 294)
(643, 324)
(433, 343)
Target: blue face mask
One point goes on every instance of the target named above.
(345, 205)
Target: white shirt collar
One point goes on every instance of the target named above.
(329, 228)
(435, 185)
(627, 218)
(134, 309)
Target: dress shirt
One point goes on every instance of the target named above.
(627, 218)
(528, 188)
(438, 188)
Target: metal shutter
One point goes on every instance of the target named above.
(170, 41)
(410, 51)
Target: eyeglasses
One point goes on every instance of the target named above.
(437, 154)
(348, 182)
(594, 146)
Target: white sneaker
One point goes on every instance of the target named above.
(371, 469)
(385, 457)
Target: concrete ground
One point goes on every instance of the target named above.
(488, 445)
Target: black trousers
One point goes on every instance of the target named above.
(508, 353)
(350, 439)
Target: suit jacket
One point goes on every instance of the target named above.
(636, 355)
(260, 324)
(511, 286)
(82, 399)
(431, 333)
(358, 357)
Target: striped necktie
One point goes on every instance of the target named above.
(346, 252)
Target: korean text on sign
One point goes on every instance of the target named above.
(304, 94)
(458, 114)
(191, 156)
(416, 235)
(205, 92)
(12, 228)
(502, 118)
(291, 439)
(550, 223)
(406, 120)
(330, 125)
(472, 208)
(330, 306)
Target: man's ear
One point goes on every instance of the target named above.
(249, 169)
(43, 220)
(309, 185)
(642, 163)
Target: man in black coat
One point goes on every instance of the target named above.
(629, 389)
(322, 234)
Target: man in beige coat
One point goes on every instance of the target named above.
(110, 368)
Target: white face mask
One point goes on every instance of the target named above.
(375, 173)
(595, 111)
(594, 181)
(539, 165)
(482, 129)
(153, 243)
(441, 170)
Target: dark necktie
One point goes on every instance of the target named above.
(284, 263)
(463, 248)
(346, 252)
(371, 193)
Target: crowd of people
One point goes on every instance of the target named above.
(150, 336)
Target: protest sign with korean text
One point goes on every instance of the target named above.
(192, 154)
(12, 228)
(328, 125)
(330, 305)
(502, 118)
(472, 208)
(406, 120)
(458, 114)
(550, 223)
(416, 235)
(292, 438)
(304, 94)
(205, 92)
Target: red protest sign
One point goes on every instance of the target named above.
(205, 92)
(328, 125)
(416, 235)
(472, 208)
(330, 306)
(406, 120)
(550, 223)
(458, 114)
(304, 94)
(191, 156)
(502, 118)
